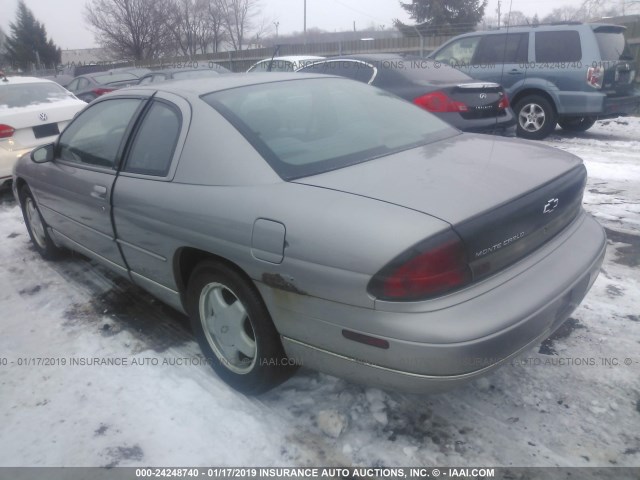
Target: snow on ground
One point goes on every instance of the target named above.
(558, 404)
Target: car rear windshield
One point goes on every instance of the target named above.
(25, 94)
(613, 46)
(311, 126)
(116, 77)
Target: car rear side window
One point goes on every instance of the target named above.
(561, 46)
(502, 48)
(309, 126)
(155, 141)
(94, 137)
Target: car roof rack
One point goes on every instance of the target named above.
(548, 24)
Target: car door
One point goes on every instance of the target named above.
(144, 197)
(75, 189)
(502, 58)
(458, 53)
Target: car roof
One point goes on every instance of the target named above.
(16, 80)
(165, 71)
(542, 28)
(368, 57)
(104, 72)
(202, 86)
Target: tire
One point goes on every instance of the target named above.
(577, 124)
(37, 227)
(241, 344)
(536, 117)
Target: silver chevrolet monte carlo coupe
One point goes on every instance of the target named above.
(319, 221)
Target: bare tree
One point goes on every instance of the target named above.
(216, 23)
(131, 29)
(515, 17)
(189, 22)
(566, 14)
(237, 17)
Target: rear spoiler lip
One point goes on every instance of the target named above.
(608, 28)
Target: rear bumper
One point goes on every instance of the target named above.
(616, 106)
(596, 104)
(501, 125)
(9, 155)
(433, 350)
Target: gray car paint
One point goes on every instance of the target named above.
(336, 237)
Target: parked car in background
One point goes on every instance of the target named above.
(181, 74)
(569, 74)
(314, 220)
(456, 98)
(60, 79)
(289, 63)
(33, 111)
(137, 71)
(90, 86)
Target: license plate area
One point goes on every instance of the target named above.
(46, 130)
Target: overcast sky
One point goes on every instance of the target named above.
(65, 23)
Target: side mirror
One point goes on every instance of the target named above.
(43, 154)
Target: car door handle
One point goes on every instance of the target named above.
(99, 191)
(515, 72)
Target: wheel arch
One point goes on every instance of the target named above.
(534, 91)
(20, 184)
(186, 259)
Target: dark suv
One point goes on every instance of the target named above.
(570, 74)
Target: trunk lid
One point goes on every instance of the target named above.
(481, 98)
(504, 198)
(33, 124)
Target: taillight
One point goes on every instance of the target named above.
(102, 91)
(595, 76)
(440, 102)
(434, 267)
(6, 131)
(504, 102)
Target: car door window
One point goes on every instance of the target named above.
(94, 137)
(155, 141)
(561, 46)
(459, 52)
(502, 48)
(83, 83)
(146, 80)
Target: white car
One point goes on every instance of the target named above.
(33, 111)
(289, 63)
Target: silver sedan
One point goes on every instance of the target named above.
(313, 220)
